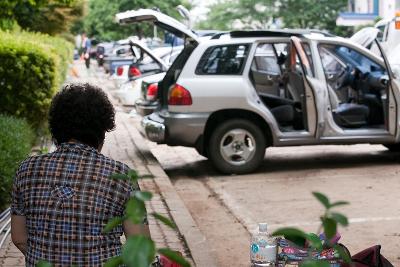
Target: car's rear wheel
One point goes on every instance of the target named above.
(393, 147)
(236, 146)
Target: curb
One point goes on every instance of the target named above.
(195, 240)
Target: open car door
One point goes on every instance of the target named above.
(309, 96)
(144, 61)
(393, 96)
(159, 19)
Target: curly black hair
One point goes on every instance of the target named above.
(82, 112)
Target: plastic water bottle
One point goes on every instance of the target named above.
(263, 248)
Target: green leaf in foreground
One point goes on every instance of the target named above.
(343, 253)
(340, 218)
(322, 199)
(143, 195)
(119, 176)
(43, 263)
(164, 220)
(314, 241)
(138, 251)
(112, 223)
(293, 234)
(135, 210)
(315, 263)
(339, 203)
(174, 256)
(114, 262)
(330, 226)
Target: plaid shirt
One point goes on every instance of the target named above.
(68, 198)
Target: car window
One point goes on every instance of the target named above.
(352, 57)
(265, 59)
(223, 60)
(330, 62)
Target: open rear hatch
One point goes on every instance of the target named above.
(157, 18)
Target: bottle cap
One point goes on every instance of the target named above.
(262, 227)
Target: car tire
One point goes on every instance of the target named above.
(236, 146)
(393, 147)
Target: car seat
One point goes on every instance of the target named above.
(348, 115)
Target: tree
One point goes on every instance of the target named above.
(260, 14)
(315, 14)
(53, 17)
(47, 16)
(226, 15)
(100, 22)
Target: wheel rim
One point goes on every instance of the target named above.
(237, 146)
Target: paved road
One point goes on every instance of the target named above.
(226, 208)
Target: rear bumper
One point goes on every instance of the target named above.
(153, 130)
(144, 108)
(180, 129)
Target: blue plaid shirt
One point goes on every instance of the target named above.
(67, 198)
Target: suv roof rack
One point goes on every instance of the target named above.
(271, 33)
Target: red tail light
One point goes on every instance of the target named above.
(133, 71)
(179, 96)
(120, 70)
(152, 90)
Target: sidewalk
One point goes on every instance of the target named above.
(127, 145)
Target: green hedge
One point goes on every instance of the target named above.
(16, 138)
(33, 66)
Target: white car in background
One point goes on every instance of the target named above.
(146, 63)
(388, 35)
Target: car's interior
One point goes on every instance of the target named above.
(277, 77)
(357, 87)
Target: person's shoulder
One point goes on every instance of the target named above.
(29, 162)
(118, 166)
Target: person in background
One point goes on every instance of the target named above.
(61, 201)
(86, 45)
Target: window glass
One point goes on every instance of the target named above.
(265, 59)
(223, 60)
(307, 50)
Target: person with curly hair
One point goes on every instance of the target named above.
(61, 201)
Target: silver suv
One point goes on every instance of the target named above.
(233, 96)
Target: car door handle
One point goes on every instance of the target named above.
(269, 77)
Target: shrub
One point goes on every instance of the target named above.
(33, 67)
(16, 138)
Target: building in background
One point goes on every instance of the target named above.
(361, 12)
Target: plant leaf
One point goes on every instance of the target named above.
(339, 203)
(174, 256)
(322, 199)
(143, 195)
(340, 218)
(315, 263)
(43, 263)
(293, 234)
(112, 223)
(164, 220)
(314, 241)
(114, 262)
(133, 174)
(330, 226)
(135, 210)
(119, 176)
(343, 253)
(138, 251)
